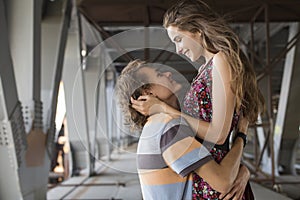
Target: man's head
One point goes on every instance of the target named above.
(140, 78)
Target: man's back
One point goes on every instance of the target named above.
(167, 153)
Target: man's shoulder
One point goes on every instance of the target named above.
(161, 118)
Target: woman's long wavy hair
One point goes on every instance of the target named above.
(197, 17)
(132, 84)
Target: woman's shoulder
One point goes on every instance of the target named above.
(220, 61)
(219, 57)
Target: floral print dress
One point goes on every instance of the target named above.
(198, 103)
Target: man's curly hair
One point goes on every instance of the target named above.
(132, 84)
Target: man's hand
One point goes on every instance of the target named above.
(238, 188)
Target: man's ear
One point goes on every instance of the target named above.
(148, 92)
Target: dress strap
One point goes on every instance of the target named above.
(203, 67)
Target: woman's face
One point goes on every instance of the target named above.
(163, 85)
(186, 43)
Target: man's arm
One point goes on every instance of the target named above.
(184, 154)
(228, 169)
(221, 176)
(238, 188)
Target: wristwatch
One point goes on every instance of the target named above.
(241, 135)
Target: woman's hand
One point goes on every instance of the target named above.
(238, 188)
(148, 105)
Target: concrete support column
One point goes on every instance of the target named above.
(12, 132)
(24, 25)
(76, 114)
(54, 38)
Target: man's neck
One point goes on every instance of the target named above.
(173, 102)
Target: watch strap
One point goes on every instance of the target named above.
(241, 135)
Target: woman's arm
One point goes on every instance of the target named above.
(223, 99)
(223, 103)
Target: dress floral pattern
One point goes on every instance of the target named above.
(198, 103)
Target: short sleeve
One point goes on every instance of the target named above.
(181, 151)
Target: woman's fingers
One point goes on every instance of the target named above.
(136, 102)
(143, 98)
(140, 110)
(140, 105)
(147, 105)
(140, 101)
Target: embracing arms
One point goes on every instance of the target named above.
(221, 176)
(223, 103)
(184, 154)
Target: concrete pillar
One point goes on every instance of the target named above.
(54, 38)
(74, 87)
(12, 132)
(24, 25)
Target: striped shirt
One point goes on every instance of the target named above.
(167, 154)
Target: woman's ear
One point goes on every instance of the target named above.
(199, 34)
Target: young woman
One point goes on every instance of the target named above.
(168, 151)
(224, 87)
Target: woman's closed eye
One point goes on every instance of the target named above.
(177, 39)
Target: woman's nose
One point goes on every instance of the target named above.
(178, 49)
